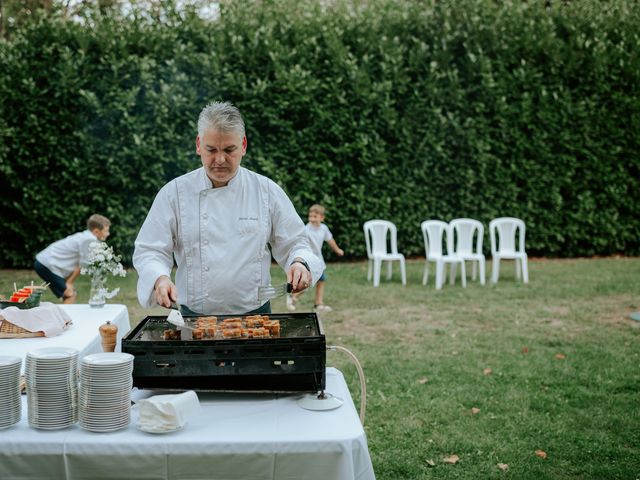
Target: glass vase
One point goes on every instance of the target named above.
(97, 295)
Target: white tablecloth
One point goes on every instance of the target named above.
(83, 334)
(235, 437)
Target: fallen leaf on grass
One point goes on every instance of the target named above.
(422, 380)
(487, 371)
(560, 356)
(451, 460)
(503, 466)
(541, 453)
(455, 352)
(431, 463)
(475, 410)
(524, 350)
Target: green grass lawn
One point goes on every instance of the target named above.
(488, 373)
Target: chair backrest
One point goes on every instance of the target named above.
(507, 229)
(433, 233)
(462, 233)
(375, 235)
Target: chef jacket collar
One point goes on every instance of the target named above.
(208, 184)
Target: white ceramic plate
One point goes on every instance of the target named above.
(157, 431)
(107, 358)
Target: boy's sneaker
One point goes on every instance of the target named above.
(291, 304)
(322, 308)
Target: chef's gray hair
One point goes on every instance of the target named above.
(223, 117)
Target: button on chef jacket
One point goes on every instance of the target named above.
(219, 238)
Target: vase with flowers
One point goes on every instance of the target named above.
(101, 262)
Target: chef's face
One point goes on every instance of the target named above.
(221, 154)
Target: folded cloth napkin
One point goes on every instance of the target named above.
(166, 413)
(48, 318)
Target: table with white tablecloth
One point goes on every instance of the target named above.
(83, 334)
(233, 437)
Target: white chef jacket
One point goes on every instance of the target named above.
(64, 256)
(219, 238)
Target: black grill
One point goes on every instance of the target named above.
(294, 361)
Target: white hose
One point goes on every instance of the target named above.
(363, 386)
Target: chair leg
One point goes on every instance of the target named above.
(403, 272)
(495, 269)
(525, 270)
(518, 272)
(369, 265)
(481, 266)
(439, 274)
(377, 264)
(425, 275)
(389, 273)
(463, 274)
(452, 280)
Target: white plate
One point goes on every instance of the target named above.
(52, 353)
(142, 429)
(9, 360)
(107, 358)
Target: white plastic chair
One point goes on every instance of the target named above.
(508, 245)
(375, 234)
(461, 244)
(434, 232)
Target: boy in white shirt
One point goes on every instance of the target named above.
(59, 263)
(318, 233)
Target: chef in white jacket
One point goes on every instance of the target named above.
(218, 222)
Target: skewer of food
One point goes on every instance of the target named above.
(25, 297)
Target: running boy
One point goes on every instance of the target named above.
(59, 263)
(318, 233)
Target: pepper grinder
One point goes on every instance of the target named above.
(109, 335)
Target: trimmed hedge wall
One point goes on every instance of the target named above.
(404, 110)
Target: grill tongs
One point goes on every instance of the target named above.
(273, 291)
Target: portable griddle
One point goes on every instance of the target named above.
(166, 357)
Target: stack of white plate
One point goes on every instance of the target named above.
(105, 391)
(52, 387)
(10, 391)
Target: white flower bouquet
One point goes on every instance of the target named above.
(101, 261)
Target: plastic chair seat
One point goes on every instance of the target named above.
(461, 243)
(381, 238)
(507, 242)
(434, 232)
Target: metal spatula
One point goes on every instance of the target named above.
(175, 317)
(273, 291)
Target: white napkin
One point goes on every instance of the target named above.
(48, 318)
(167, 413)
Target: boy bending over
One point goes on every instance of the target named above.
(59, 263)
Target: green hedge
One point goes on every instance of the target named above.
(404, 110)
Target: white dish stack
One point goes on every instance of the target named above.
(105, 391)
(52, 387)
(10, 390)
